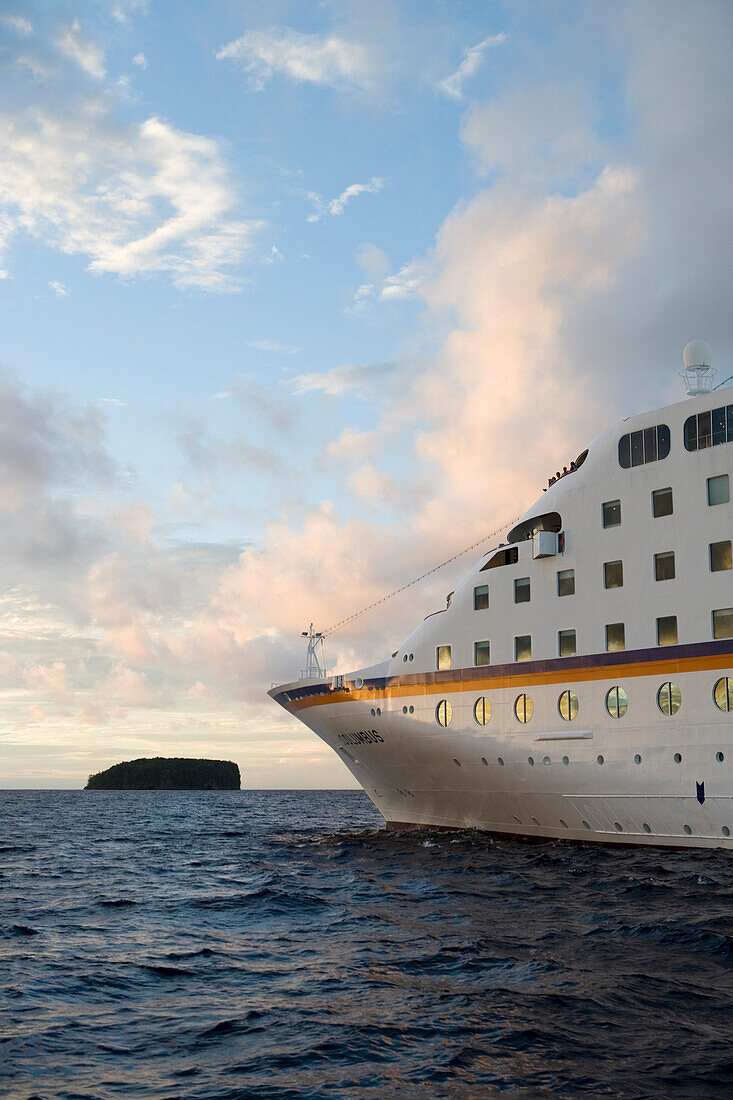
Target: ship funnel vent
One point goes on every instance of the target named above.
(698, 374)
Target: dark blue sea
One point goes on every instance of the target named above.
(215, 946)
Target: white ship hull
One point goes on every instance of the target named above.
(419, 774)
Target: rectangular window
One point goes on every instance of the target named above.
(718, 490)
(720, 556)
(611, 513)
(481, 597)
(664, 566)
(662, 503)
(521, 590)
(443, 658)
(723, 623)
(566, 582)
(615, 637)
(523, 648)
(566, 646)
(481, 653)
(667, 630)
(613, 574)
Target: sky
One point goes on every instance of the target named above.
(298, 300)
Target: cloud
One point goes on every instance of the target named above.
(18, 23)
(274, 345)
(47, 679)
(88, 56)
(336, 206)
(373, 261)
(472, 58)
(140, 60)
(329, 62)
(404, 284)
(59, 289)
(361, 379)
(136, 200)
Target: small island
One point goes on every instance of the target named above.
(160, 773)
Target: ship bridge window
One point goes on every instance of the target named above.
(548, 521)
(647, 445)
(662, 503)
(667, 630)
(718, 490)
(720, 556)
(443, 658)
(481, 597)
(723, 623)
(709, 429)
(508, 556)
(611, 513)
(521, 590)
(566, 582)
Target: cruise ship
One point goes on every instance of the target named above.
(578, 684)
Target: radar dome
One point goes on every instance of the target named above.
(697, 354)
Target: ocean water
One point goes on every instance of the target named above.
(282, 944)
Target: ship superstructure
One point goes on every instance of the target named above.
(579, 682)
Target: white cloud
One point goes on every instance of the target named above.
(404, 284)
(59, 289)
(18, 23)
(330, 61)
(87, 55)
(360, 379)
(373, 261)
(336, 206)
(123, 9)
(140, 60)
(274, 345)
(137, 200)
(453, 85)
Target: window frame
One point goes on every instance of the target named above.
(526, 584)
(616, 648)
(564, 635)
(566, 574)
(668, 618)
(728, 612)
(438, 666)
(657, 493)
(606, 564)
(665, 556)
(481, 664)
(608, 504)
(522, 638)
(483, 589)
(720, 568)
(713, 480)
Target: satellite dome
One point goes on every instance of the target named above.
(697, 354)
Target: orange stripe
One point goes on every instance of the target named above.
(598, 672)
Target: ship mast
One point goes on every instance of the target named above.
(315, 653)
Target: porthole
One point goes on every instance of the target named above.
(405, 657)
(646, 828)
(567, 704)
(523, 708)
(535, 821)
(379, 710)
(720, 757)
(444, 713)
(404, 710)
(599, 760)
(372, 712)
(500, 761)
(618, 826)
(358, 683)
(412, 710)
(530, 760)
(669, 698)
(723, 693)
(688, 829)
(725, 831)
(456, 762)
(678, 758)
(546, 760)
(484, 761)
(566, 760)
(617, 702)
(585, 824)
(563, 823)
(482, 710)
(519, 822)
(637, 758)
(412, 656)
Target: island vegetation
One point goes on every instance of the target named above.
(160, 773)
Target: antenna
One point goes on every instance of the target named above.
(316, 649)
(698, 375)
